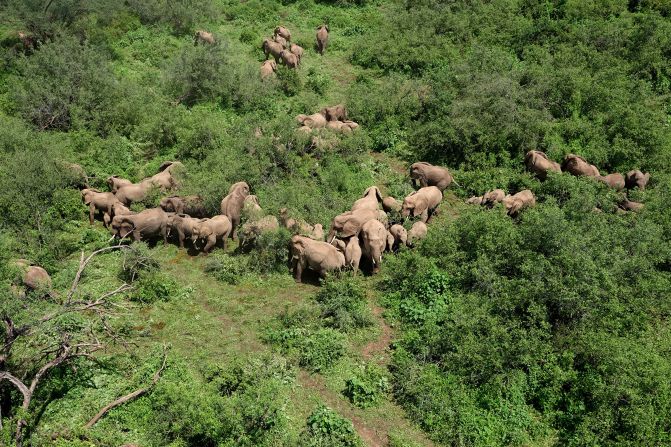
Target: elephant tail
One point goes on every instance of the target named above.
(455, 182)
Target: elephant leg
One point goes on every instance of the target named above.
(92, 211)
(424, 217)
(136, 235)
(298, 270)
(211, 241)
(180, 235)
(223, 243)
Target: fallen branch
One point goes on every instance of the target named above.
(128, 397)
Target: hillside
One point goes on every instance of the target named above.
(515, 324)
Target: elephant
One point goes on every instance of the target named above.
(317, 232)
(475, 200)
(578, 166)
(298, 51)
(539, 163)
(628, 205)
(615, 181)
(517, 202)
(399, 236)
(374, 237)
(322, 38)
(353, 253)
(422, 202)
(281, 40)
(390, 204)
(116, 182)
(232, 204)
(342, 126)
(636, 178)
(282, 32)
(213, 230)
(165, 178)
(270, 47)
(289, 59)
(383, 218)
(145, 224)
(96, 200)
(318, 256)
(416, 233)
(430, 175)
(268, 69)
(349, 223)
(191, 205)
(34, 277)
(118, 209)
(370, 200)
(335, 113)
(305, 130)
(491, 198)
(135, 192)
(314, 121)
(251, 210)
(203, 37)
(183, 225)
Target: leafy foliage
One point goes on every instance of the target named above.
(325, 427)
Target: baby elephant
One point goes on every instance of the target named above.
(183, 225)
(268, 69)
(211, 230)
(282, 32)
(203, 37)
(396, 236)
(416, 233)
(516, 203)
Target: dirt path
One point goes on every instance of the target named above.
(378, 350)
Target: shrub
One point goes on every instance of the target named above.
(367, 387)
(343, 305)
(225, 268)
(152, 287)
(319, 350)
(289, 80)
(137, 261)
(325, 427)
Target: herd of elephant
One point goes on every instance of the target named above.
(372, 226)
(538, 163)
(333, 118)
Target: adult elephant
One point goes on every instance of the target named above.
(429, 175)
(578, 166)
(270, 47)
(165, 178)
(314, 121)
(637, 179)
(135, 192)
(191, 205)
(183, 225)
(298, 51)
(349, 223)
(268, 69)
(615, 181)
(232, 204)
(491, 198)
(370, 200)
(97, 200)
(374, 237)
(115, 182)
(318, 256)
(282, 32)
(322, 38)
(517, 202)
(335, 113)
(422, 202)
(539, 163)
(289, 59)
(146, 224)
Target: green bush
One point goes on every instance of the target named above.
(138, 261)
(289, 80)
(325, 427)
(343, 305)
(153, 287)
(226, 268)
(367, 387)
(319, 350)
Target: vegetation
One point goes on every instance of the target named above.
(551, 328)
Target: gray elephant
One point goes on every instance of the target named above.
(475, 200)
(422, 202)
(322, 38)
(232, 204)
(335, 113)
(517, 202)
(268, 69)
(349, 223)
(628, 205)
(183, 225)
(282, 32)
(374, 237)
(539, 163)
(637, 179)
(191, 205)
(135, 192)
(390, 204)
(97, 200)
(314, 121)
(353, 253)
(203, 37)
(270, 47)
(118, 209)
(289, 59)
(491, 198)
(578, 166)
(370, 200)
(281, 40)
(429, 175)
(298, 51)
(397, 236)
(33, 276)
(615, 181)
(115, 182)
(166, 176)
(146, 224)
(213, 230)
(318, 256)
(417, 233)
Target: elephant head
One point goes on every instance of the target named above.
(414, 205)
(637, 179)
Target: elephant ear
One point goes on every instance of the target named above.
(421, 205)
(378, 194)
